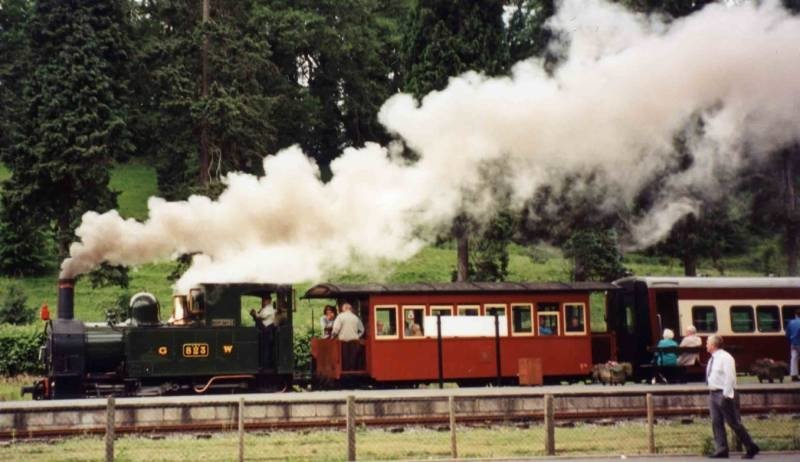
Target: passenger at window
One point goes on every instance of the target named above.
(412, 328)
(326, 321)
(545, 330)
(691, 340)
(575, 324)
(667, 359)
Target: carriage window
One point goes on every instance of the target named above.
(574, 318)
(442, 310)
(548, 323)
(789, 313)
(412, 321)
(490, 310)
(386, 321)
(547, 307)
(742, 319)
(704, 318)
(522, 322)
(768, 318)
(469, 310)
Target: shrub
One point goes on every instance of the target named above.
(12, 306)
(302, 351)
(20, 347)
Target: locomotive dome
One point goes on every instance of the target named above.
(144, 309)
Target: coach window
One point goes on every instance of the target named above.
(412, 321)
(469, 310)
(547, 318)
(385, 322)
(575, 319)
(704, 318)
(491, 309)
(788, 312)
(444, 310)
(768, 317)
(742, 319)
(522, 319)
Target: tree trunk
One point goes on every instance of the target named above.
(461, 233)
(690, 248)
(792, 216)
(204, 160)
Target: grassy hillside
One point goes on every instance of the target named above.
(137, 182)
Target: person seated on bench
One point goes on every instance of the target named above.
(691, 340)
(662, 359)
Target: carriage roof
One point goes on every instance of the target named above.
(713, 282)
(329, 290)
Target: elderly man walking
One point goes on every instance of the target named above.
(721, 379)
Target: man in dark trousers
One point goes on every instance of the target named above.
(721, 379)
(793, 334)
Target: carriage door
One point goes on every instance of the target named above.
(667, 310)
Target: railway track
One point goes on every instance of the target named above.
(601, 417)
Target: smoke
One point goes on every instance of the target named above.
(723, 80)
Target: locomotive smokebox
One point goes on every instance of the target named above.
(66, 298)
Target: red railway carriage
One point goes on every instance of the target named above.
(549, 321)
(749, 312)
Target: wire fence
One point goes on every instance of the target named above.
(457, 435)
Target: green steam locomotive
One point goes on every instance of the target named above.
(203, 347)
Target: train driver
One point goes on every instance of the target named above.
(265, 322)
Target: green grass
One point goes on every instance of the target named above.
(4, 173)
(779, 433)
(136, 182)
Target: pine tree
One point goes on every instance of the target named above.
(75, 122)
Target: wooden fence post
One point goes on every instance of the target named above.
(241, 429)
(651, 436)
(549, 426)
(453, 445)
(110, 429)
(351, 428)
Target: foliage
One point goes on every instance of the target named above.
(595, 256)
(447, 38)
(20, 347)
(527, 33)
(489, 249)
(13, 306)
(302, 350)
(109, 275)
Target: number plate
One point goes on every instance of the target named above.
(195, 350)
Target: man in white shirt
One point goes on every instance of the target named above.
(349, 329)
(721, 379)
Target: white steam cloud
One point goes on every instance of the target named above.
(725, 79)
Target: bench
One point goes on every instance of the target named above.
(675, 373)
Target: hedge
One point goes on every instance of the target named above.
(19, 349)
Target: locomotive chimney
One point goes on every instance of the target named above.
(66, 298)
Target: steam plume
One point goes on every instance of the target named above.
(629, 85)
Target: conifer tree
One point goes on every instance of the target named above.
(444, 39)
(74, 125)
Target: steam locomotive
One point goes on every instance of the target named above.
(466, 332)
(203, 347)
